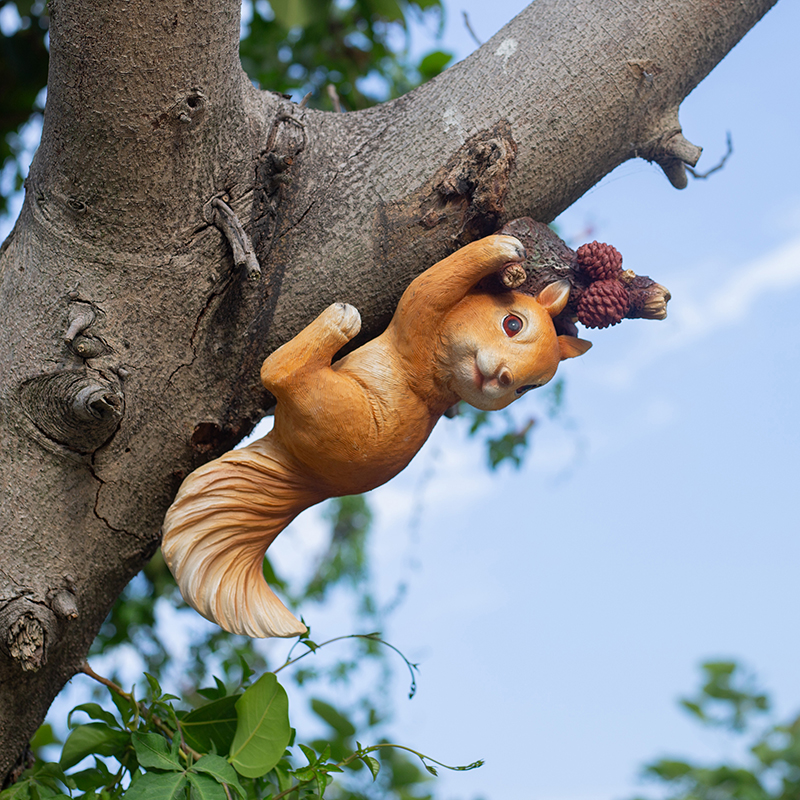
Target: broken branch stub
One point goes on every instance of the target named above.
(242, 248)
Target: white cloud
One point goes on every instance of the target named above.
(726, 303)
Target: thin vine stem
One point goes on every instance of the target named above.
(372, 637)
(363, 751)
(421, 756)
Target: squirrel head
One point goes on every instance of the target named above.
(496, 347)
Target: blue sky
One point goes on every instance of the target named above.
(557, 612)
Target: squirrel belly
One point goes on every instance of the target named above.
(225, 516)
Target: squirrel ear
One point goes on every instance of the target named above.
(572, 347)
(554, 297)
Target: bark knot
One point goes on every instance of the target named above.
(75, 408)
(27, 630)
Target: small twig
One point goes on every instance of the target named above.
(291, 789)
(369, 636)
(719, 166)
(334, 96)
(87, 670)
(117, 778)
(304, 102)
(469, 28)
(156, 720)
(243, 254)
(191, 755)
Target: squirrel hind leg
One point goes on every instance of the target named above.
(313, 348)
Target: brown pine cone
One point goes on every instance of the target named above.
(601, 262)
(604, 303)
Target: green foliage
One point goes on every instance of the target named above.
(211, 727)
(150, 750)
(346, 558)
(507, 440)
(730, 701)
(305, 46)
(23, 75)
(262, 731)
(727, 698)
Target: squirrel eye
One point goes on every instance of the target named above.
(512, 325)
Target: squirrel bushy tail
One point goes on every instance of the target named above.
(216, 533)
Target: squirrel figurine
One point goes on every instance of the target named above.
(346, 427)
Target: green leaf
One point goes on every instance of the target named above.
(205, 787)
(157, 786)
(389, 10)
(93, 778)
(93, 738)
(214, 693)
(212, 726)
(153, 752)
(43, 737)
(434, 63)
(219, 769)
(333, 717)
(310, 755)
(293, 13)
(247, 672)
(19, 791)
(719, 668)
(670, 770)
(50, 774)
(373, 764)
(693, 708)
(155, 686)
(263, 729)
(431, 769)
(175, 747)
(124, 706)
(304, 774)
(94, 711)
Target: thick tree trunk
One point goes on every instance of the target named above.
(134, 340)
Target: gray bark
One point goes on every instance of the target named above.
(133, 339)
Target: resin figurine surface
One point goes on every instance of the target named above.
(347, 427)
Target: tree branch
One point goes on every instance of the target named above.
(136, 351)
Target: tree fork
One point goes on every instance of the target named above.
(135, 347)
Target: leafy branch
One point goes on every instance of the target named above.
(234, 745)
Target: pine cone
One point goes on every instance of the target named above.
(604, 303)
(601, 262)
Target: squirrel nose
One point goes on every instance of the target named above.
(504, 377)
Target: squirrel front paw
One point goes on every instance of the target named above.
(509, 248)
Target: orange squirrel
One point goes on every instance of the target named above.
(347, 427)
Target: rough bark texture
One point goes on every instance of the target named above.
(133, 339)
